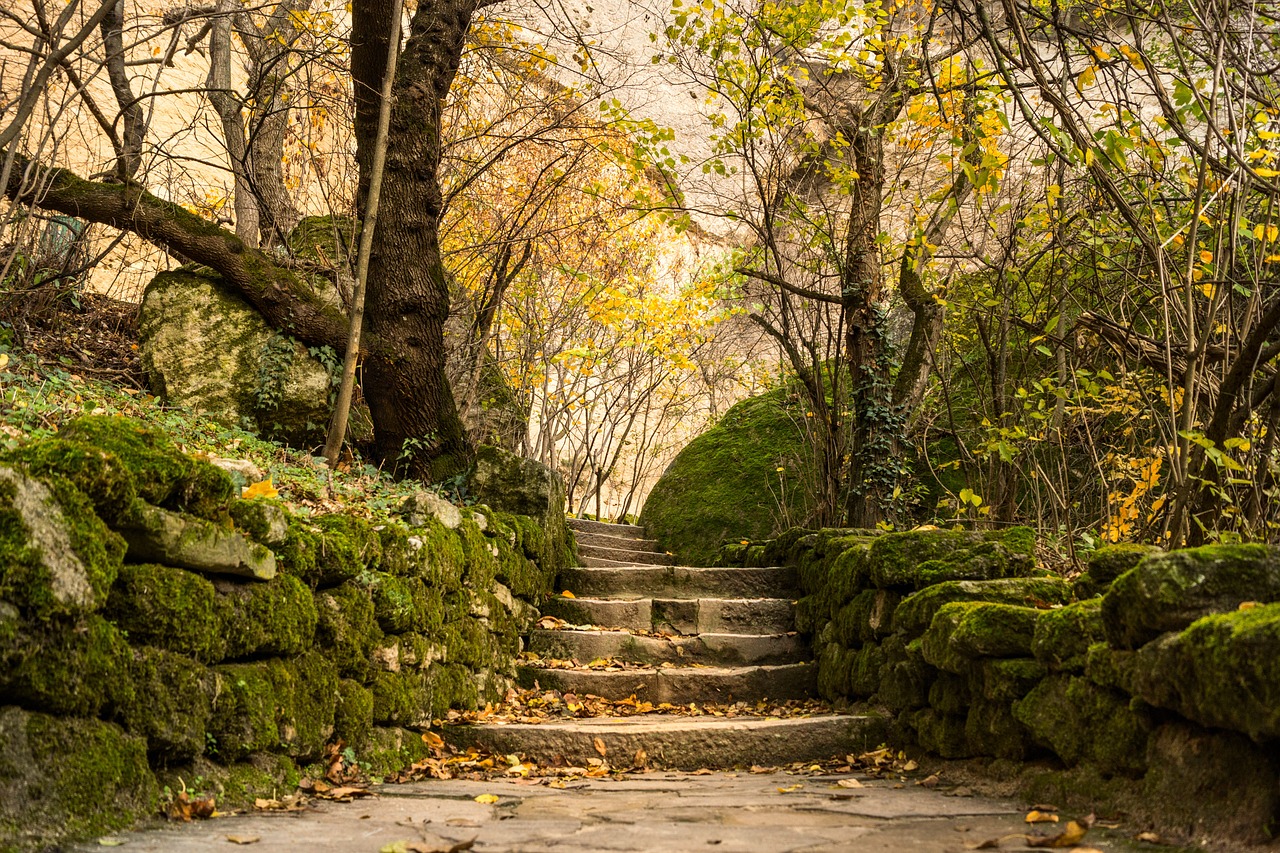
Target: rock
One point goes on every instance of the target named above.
(1214, 784)
(159, 536)
(78, 668)
(919, 558)
(243, 472)
(949, 693)
(1082, 722)
(263, 519)
(1063, 635)
(353, 717)
(64, 779)
(59, 558)
(525, 487)
(98, 474)
(990, 728)
(274, 705)
(420, 506)
(1223, 671)
(1169, 591)
(346, 629)
(172, 703)
(205, 348)
(274, 618)
(941, 734)
(170, 608)
(1005, 680)
(916, 612)
(905, 678)
(963, 631)
(1108, 563)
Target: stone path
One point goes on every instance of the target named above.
(657, 811)
(681, 635)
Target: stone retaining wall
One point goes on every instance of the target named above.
(156, 630)
(1153, 677)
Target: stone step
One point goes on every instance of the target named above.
(619, 556)
(626, 543)
(722, 649)
(679, 616)
(678, 582)
(679, 685)
(586, 525)
(678, 743)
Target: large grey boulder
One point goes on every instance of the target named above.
(205, 348)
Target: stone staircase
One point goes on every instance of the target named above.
(639, 626)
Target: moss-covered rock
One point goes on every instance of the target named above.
(348, 546)
(725, 484)
(906, 676)
(264, 519)
(169, 608)
(920, 558)
(991, 728)
(525, 487)
(1106, 564)
(399, 604)
(274, 706)
(833, 671)
(1223, 671)
(235, 785)
(74, 668)
(205, 348)
(171, 704)
(1063, 635)
(916, 611)
(1005, 680)
(963, 631)
(1169, 591)
(65, 779)
(391, 749)
(866, 667)
(847, 575)
(353, 717)
(59, 558)
(949, 694)
(274, 618)
(941, 734)
(156, 535)
(347, 630)
(402, 698)
(97, 473)
(1082, 722)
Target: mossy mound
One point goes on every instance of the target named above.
(59, 559)
(171, 704)
(1108, 563)
(1223, 671)
(96, 472)
(68, 778)
(964, 631)
(725, 484)
(1063, 635)
(1169, 591)
(919, 558)
(169, 608)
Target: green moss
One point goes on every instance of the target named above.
(992, 729)
(71, 668)
(68, 779)
(1082, 722)
(482, 556)
(1108, 667)
(848, 574)
(348, 546)
(264, 519)
(941, 734)
(298, 554)
(1169, 591)
(963, 631)
(905, 679)
(468, 642)
(949, 693)
(98, 473)
(273, 618)
(399, 604)
(353, 717)
(1005, 680)
(402, 698)
(914, 615)
(1110, 562)
(236, 785)
(725, 484)
(275, 706)
(171, 705)
(59, 558)
(920, 558)
(452, 686)
(1063, 635)
(1223, 671)
(170, 608)
(347, 630)
(865, 668)
(392, 749)
(833, 671)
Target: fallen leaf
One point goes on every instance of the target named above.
(909, 766)
(486, 799)
(346, 792)
(433, 740)
(436, 845)
(791, 788)
(930, 781)
(641, 758)
(1037, 816)
(1072, 835)
(260, 489)
(703, 771)
(1149, 837)
(243, 839)
(850, 783)
(567, 594)
(462, 821)
(600, 747)
(106, 841)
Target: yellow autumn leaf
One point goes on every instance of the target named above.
(4, 360)
(1267, 233)
(1036, 816)
(567, 594)
(1264, 172)
(1206, 257)
(487, 799)
(262, 489)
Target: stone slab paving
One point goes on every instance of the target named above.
(656, 811)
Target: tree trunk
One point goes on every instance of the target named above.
(415, 419)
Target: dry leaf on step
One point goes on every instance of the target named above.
(600, 747)
(1037, 816)
(850, 783)
(1070, 836)
(243, 839)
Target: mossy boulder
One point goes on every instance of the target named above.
(169, 608)
(391, 749)
(914, 615)
(725, 484)
(156, 535)
(275, 618)
(399, 604)
(59, 559)
(1005, 680)
(64, 779)
(171, 704)
(73, 668)
(920, 558)
(1082, 722)
(525, 487)
(963, 631)
(402, 698)
(1107, 563)
(97, 473)
(277, 705)
(1169, 591)
(347, 630)
(205, 348)
(906, 676)
(348, 546)
(847, 575)
(264, 519)
(164, 475)
(949, 693)
(991, 728)
(866, 667)
(1223, 671)
(353, 716)
(1063, 635)
(942, 734)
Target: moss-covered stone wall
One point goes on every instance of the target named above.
(1152, 679)
(264, 638)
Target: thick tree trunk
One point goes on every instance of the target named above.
(414, 415)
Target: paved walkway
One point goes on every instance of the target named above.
(653, 812)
